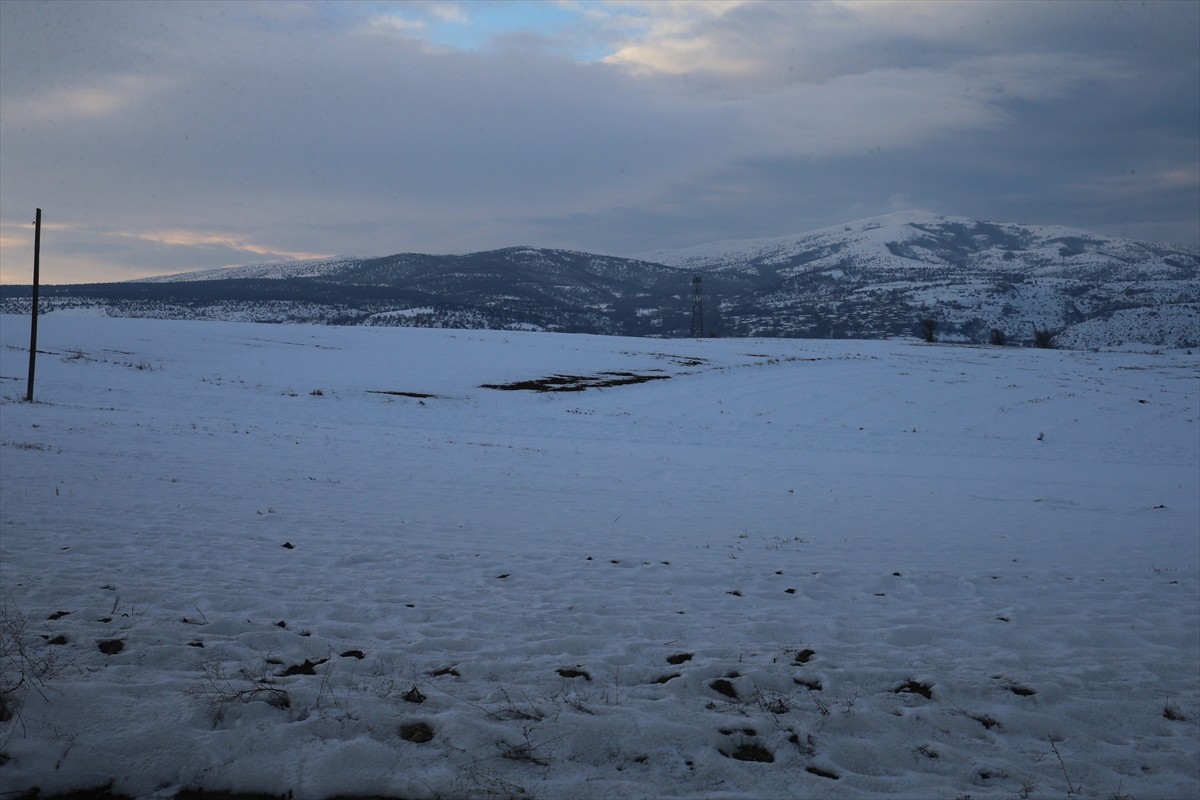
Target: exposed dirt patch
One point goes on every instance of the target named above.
(307, 668)
(416, 732)
(913, 687)
(416, 395)
(575, 383)
(571, 672)
(986, 720)
(750, 751)
(110, 647)
(723, 686)
(679, 658)
(803, 657)
(200, 794)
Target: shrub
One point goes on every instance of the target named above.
(1043, 338)
(22, 666)
(928, 327)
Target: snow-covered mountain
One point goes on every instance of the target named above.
(274, 270)
(874, 277)
(976, 281)
(912, 238)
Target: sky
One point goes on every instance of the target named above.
(164, 137)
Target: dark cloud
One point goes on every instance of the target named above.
(165, 136)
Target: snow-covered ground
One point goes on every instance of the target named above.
(237, 557)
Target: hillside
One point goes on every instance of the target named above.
(875, 278)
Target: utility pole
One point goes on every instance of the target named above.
(697, 309)
(37, 252)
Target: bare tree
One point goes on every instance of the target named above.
(928, 327)
(1043, 337)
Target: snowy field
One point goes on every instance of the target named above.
(237, 557)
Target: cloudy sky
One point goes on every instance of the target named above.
(164, 137)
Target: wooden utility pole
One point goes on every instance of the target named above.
(37, 252)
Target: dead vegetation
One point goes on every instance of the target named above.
(576, 383)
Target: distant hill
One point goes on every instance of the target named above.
(875, 277)
(872, 278)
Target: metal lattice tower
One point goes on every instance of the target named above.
(697, 309)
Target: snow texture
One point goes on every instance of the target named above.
(866, 242)
(305, 268)
(328, 561)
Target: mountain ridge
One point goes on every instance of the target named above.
(871, 278)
